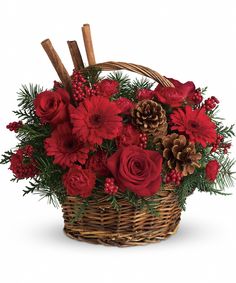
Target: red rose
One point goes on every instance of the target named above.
(212, 170)
(98, 163)
(107, 88)
(51, 106)
(124, 104)
(129, 136)
(78, 181)
(136, 169)
(174, 96)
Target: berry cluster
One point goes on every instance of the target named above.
(110, 187)
(210, 103)
(14, 126)
(143, 140)
(23, 164)
(219, 144)
(80, 87)
(174, 177)
(196, 98)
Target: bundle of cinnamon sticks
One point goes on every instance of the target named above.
(75, 54)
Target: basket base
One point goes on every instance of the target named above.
(117, 240)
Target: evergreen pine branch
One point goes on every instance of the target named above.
(79, 210)
(114, 202)
(226, 176)
(26, 97)
(227, 132)
(6, 157)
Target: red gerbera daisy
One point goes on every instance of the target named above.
(65, 147)
(195, 124)
(96, 119)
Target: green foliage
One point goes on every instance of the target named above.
(92, 75)
(225, 178)
(143, 203)
(128, 88)
(6, 156)
(26, 97)
(79, 210)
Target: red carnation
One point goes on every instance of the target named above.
(65, 147)
(96, 119)
(145, 94)
(107, 88)
(129, 136)
(98, 163)
(51, 106)
(174, 96)
(212, 169)
(195, 124)
(79, 182)
(124, 104)
(23, 165)
(136, 169)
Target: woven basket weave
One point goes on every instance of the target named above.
(128, 226)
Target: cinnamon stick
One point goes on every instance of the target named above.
(57, 64)
(88, 44)
(75, 55)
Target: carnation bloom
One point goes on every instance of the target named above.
(98, 163)
(212, 169)
(145, 94)
(107, 87)
(195, 124)
(79, 182)
(96, 119)
(23, 165)
(124, 104)
(128, 136)
(65, 147)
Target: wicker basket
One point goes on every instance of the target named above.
(128, 226)
(101, 223)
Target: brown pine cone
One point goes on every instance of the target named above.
(180, 154)
(150, 118)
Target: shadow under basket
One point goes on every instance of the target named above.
(128, 226)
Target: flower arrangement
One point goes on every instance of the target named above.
(115, 135)
(121, 139)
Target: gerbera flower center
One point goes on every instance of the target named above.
(70, 145)
(96, 120)
(193, 124)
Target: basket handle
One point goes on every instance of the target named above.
(139, 69)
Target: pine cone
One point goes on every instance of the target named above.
(150, 118)
(180, 154)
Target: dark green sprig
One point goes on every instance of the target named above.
(6, 157)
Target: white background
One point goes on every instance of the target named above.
(187, 40)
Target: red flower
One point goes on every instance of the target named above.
(129, 136)
(98, 163)
(107, 88)
(79, 182)
(145, 94)
(136, 169)
(174, 96)
(96, 119)
(195, 124)
(23, 165)
(124, 104)
(51, 106)
(65, 147)
(212, 169)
